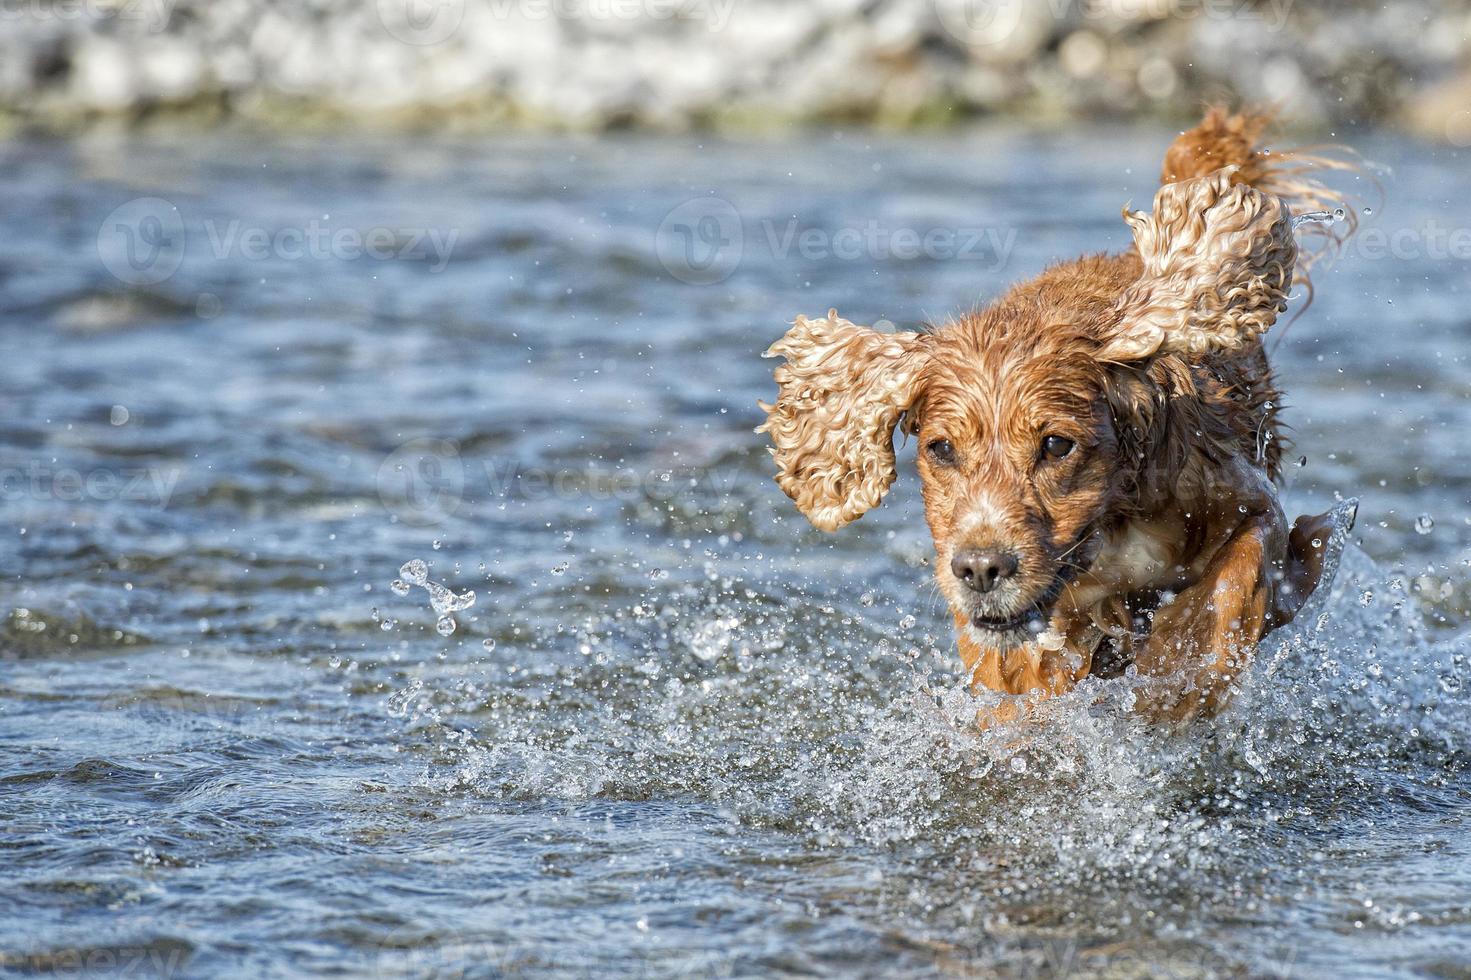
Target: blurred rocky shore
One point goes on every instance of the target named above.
(744, 63)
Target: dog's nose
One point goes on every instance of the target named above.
(982, 570)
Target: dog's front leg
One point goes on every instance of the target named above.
(1029, 670)
(1202, 640)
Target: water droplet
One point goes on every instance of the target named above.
(866, 599)
(713, 638)
(414, 571)
(437, 544)
(1368, 212)
(1366, 597)
(560, 568)
(906, 623)
(489, 644)
(119, 415)
(1018, 764)
(1450, 685)
(445, 626)
(399, 587)
(1339, 214)
(1424, 524)
(386, 625)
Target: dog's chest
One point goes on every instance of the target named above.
(1143, 555)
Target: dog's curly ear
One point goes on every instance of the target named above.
(842, 391)
(1218, 259)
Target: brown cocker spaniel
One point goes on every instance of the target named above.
(1099, 448)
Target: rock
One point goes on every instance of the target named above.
(1444, 111)
(589, 63)
(102, 74)
(170, 68)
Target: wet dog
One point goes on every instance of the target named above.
(1100, 448)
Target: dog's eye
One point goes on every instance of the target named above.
(1056, 447)
(941, 451)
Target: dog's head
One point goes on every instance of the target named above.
(1031, 416)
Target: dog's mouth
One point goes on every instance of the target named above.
(1033, 619)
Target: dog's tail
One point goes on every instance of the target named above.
(1223, 139)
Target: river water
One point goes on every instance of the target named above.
(678, 732)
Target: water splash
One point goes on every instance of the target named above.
(1318, 218)
(794, 717)
(444, 601)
